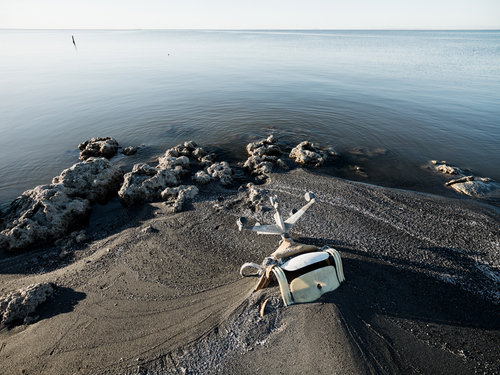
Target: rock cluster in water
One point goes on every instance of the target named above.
(476, 187)
(479, 187)
(23, 302)
(308, 153)
(48, 213)
(106, 147)
(147, 183)
(263, 156)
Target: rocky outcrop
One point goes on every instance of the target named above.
(308, 153)
(47, 212)
(473, 186)
(171, 162)
(177, 196)
(185, 149)
(44, 214)
(191, 149)
(129, 151)
(263, 157)
(95, 179)
(209, 169)
(23, 302)
(442, 167)
(262, 166)
(145, 183)
(478, 187)
(98, 147)
(267, 147)
(222, 172)
(207, 160)
(202, 177)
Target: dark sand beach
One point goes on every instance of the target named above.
(421, 294)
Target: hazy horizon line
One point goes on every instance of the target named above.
(268, 29)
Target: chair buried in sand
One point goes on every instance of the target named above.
(304, 272)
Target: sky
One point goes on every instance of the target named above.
(250, 14)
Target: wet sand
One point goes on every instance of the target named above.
(421, 293)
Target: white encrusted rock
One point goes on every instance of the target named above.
(263, 157)
(207, 160)
(265, 147)
(145, 183)
(47, 212)
(177, 196)
(202, 177)
(185, 149)
(188, 191)
(44, 214)
(20, 303)
(172, 152)
(307, 153)
(441, 167)
(198, 153)
(256, 197)
(170, 162)
(260, 165)
(94, 179)
(221, 171)
(476, 187)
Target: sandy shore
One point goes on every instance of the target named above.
(421, 292)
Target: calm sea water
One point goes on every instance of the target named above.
(419, 95)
